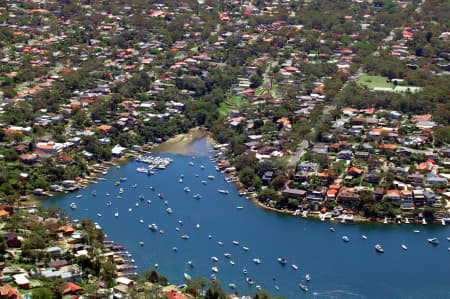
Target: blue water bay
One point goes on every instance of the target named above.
(338, 269)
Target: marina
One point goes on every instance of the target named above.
(305, 243)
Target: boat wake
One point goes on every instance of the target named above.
(337, 294)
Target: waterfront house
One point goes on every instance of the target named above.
(120, 291)
(393, 195)
(430, 196)
(267, 177)
(66, 230)
(174, 294)
(419, 197)
(117, 151)
(347, 195)
(38, 191)
(294, 193)
(406, 200)
(317, 195)
(378, 193)
(331, 193)
(125, 281)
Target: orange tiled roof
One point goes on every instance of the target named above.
(393, 193)
(72, 288)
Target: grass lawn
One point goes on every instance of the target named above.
(274, 92)
(233, 102)
(374, 81)
(259, 91)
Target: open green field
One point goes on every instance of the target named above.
(374, 81)
(233, 102)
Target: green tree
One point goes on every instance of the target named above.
(42, 293)
(249, 178)
(255, 81)
(261, 295)
(442, 135)
(3, 245)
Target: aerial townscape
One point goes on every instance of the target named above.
(305, 141)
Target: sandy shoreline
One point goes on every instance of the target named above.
(180, 144)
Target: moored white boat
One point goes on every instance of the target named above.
(434, 241)
(303, 287)
(379, 249)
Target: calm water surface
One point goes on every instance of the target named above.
(337, 269)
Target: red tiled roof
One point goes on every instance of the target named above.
(175, 295)
(9, 292)
(72, 288)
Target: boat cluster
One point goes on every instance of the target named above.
(378, 248)
(154, 163)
